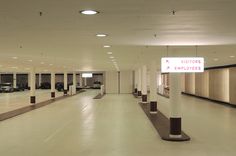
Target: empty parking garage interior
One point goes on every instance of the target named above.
(117, 78)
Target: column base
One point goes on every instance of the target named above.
(153, 107)
(65, 92)
(32, 99)
(175, 127)
(144, 99)
(139, 93)
(52, 94)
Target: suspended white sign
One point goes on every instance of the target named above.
(182, 64)
(87, 75)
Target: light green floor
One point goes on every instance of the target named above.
(116, 126)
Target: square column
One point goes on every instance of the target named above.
(144, 84)
(32, 86)
(53, 85)
(65, 83)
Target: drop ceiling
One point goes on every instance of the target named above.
(138, 31)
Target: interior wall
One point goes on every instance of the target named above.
(202, 84)
(219, 84)
(111, 82)
(232, 84)
(126, 82)
(190, 83)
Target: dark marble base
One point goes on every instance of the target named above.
(162, 125)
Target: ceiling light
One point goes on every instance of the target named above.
(106, 46)
(111, 57)
(50, 64)
(232, 56)
(30, 60)
(45, 70)
(113, 60)
(89, 12)
(27, 68)
(42, 62)
(15, 57)
(216, 59)
(101, 35)
(109, 53)
(14, 67)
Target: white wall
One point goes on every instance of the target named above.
(126, 82)
(111, 80)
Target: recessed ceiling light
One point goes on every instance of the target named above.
(216, 59)
(50, 64)
(109, 53)
(42, 62)
(27, 68)
(30, 60)
(89, 12)
(14, 67)
(15, 57)
(101, 35)
(113, 60)
(106, 46)
(111, 57)
(232, 56)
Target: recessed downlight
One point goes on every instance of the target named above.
(89, 12)
(216, 59)
(232, 56)
(111, 57)
(42, 63)
(30, 60)
(14, 67)
(15, 57)
(50, 64)
(109, 53)
(101, 35)
(107, 46)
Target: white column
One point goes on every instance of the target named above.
(65, 83)
(80, 80)
(53, 79)
(175, 105)
(136, 81)
(32, 86)
(85, 81)
(153, 88)
(29, 80)
(144, 84)
(139, 82)
(74, 83)
(40, 79)
(14, 80)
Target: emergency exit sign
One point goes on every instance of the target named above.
(182, 64)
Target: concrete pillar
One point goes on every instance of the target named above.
(85, 81)
(53, 79)
(29, 80)
(136, 81)
(80, 80)
(175, 105)
(14, 81)
(40, 79)
(144, 84)
(65, 83)
(139, 82)
(32, 86)
(74, 83)
(153, 88)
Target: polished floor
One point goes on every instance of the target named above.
(116, 126)
(15, 100)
